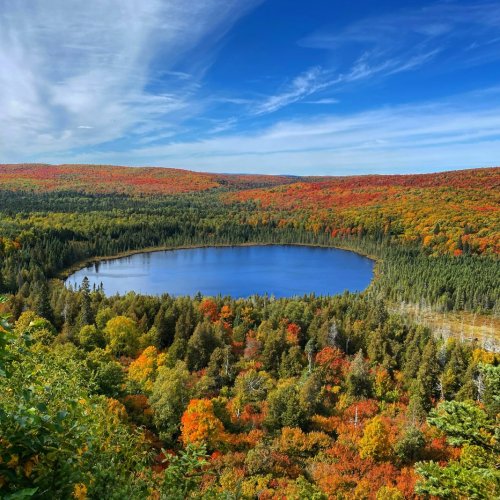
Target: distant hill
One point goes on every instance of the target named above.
(104, 179)
(447, 212)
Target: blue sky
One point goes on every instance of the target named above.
(265, 86)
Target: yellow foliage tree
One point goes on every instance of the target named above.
(122, 336)
(143, 369)
(375, 442)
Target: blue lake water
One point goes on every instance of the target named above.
(279, 270)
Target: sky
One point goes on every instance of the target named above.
(316, 87)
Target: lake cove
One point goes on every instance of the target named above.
(238, 271)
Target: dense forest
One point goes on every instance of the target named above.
(218, 397)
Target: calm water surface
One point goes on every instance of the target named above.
(282, 271)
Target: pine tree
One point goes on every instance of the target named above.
(86, 316)
(41, 303)
(359, 382)
(425, 387)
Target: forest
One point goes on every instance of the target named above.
(166, 397)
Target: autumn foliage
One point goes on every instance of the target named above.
(199, 425)
(122, 180)
(448, 212)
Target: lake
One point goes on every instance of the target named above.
(239, 271)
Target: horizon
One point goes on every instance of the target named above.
(257, 87)
(243, 173)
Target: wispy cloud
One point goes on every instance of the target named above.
(223, 125)
(317, 79)
(125, 81)
(470, 28)
(326, 100)
(83, 73)
(383, 46)
(305, 84)
(463, 131)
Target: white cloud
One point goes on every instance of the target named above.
(65, 63)
(317, 79)
(462, 132)
(77, 75)
(471, 28)
(326, 100)
(393, 43)
(438, 20)
(305, 84)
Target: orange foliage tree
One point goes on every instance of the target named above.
(200, 425)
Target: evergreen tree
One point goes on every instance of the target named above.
(86, 315)
(425, 387)
(201, 345)
(359, 381)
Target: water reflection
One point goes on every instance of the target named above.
(278, 270)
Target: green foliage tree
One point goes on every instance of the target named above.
(89, 337)
(169, 399)
(425, 387)
(488, 387)
(410, 445)
(122, 336)
(284, 408)
(359, 381)
(6, 337)
(183, 475)
(57, 438)
(201, 345)
(107, 374)
(475, 474)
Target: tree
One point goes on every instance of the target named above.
(103, 316)
(164, 322)
(184, 473)
(311, 395)
(425, 387)
(169, 398)
(86, 315)
(6, 337)
(41, 302)
(310, 349)
(200, 426)
(273, 348)
(40, 331)
(475, 474)
(252, 386)
(221, 366)
(375, 442)
(142, 371)
(359, 383)
(410, 445)
(292, 362)
(332, 364)
(201, 345)
(208, 307)
(284, 408)
(89, 337)
(58, 438)
(107, 373)
(122, 336)
(489, 377)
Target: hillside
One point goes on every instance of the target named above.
(110, 179)
(449, 213)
